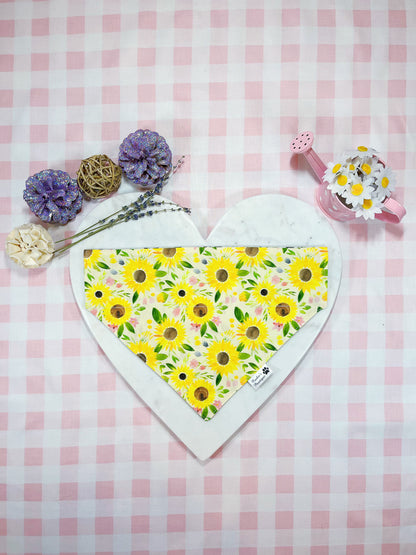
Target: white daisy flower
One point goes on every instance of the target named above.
(365, 152)
(333, 171)
(367, 166)
(385, 183)
(352, 165)
(342, 181)
(357, 192)
(368, 209)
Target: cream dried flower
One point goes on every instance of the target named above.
(30, 245)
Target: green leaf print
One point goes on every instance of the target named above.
(204, 413)
(129, 327)
(186, 264)
(270, 347)
(218, 379)
(238, 313)
(213, 409)
(135, 297)
(243, 356)
(286, 329)
(120, 330)
(161, 356)
(217, 296)
(300, 295)
(157, 317)
(157, 265)
(295, 325)
(103, 265)
(160, 273)
(212, 326)
(203, 329)
(239, 264)
(188, 347)
(270, 264)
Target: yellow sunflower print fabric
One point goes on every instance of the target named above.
(205, 318)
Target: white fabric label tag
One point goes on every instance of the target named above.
(260, 377)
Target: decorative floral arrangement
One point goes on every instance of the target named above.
(30, 245)
(55, 197)
(145, 158)
(361, 181)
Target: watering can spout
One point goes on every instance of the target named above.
(302, 144)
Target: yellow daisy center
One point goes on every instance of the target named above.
(170, 334)
(368, 203)
(200, 309)
(139, 275)
(222, 357)
(336, 168)
(385, 182)
(201, 393)
(357, 189)
(144, 351)
(182, 377)
(117, 311)
(305, 273)
(283, 309)
(221, 274)
(366, 168)
(362, 148)
(252, 333)
(342, 180)
(351, 167)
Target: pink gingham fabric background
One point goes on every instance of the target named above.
(328, 465)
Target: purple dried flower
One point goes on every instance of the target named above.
(53, 196)
(145, 158)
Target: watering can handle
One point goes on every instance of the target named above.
(395, 212)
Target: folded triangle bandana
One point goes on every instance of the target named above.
(206, 319)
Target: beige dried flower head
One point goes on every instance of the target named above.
(30, 245)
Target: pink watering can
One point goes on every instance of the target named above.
(333, 205)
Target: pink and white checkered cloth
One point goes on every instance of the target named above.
(327, 466)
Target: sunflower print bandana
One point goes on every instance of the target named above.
(205, 318)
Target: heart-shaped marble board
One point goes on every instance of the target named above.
(265, 220)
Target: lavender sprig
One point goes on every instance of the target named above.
(144, 206)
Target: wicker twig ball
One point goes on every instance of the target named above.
(98, 176)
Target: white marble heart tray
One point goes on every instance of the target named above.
(265, 220)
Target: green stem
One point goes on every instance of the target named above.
(109, 225)
(104, 220)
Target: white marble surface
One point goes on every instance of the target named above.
(265, 220)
